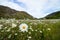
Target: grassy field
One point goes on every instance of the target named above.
(37, 29)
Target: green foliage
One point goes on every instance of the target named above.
(7, 13)
(54, 15)
(37, 30)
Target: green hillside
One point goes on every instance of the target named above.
(6, 12)
(54, 15)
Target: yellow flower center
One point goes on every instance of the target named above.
(23, 27)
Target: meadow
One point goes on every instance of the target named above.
(36, 29)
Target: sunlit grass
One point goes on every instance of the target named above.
(37, 30)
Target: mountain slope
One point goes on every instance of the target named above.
(6, 12)
(54, 15)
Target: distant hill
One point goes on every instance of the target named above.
(54, 15)
(6, 12)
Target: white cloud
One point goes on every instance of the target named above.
(34, 4)
(3, 0)
(11, 5)
(40, 8)
(37, 8)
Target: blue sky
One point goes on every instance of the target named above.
(36, 8)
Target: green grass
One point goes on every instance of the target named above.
(41, 30)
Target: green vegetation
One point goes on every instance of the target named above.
(54, 15)
(7, 13)
(37, 30)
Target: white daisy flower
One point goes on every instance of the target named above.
(1, 26)
(15, 33)
(36, 30)
(9, 36)
(29, 32)
(31, 28)
(29, 37)
(8, 30)
(13, 25)
(5, 28)
(48, 29)
(23, 27)
(7, 21)
(40, 31)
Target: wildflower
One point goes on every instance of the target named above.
(9, 36)
(48, 29)
(5, 28)
(12, 20)
(36, 30)
(15, 33)
(29, 37)
(7, 21)
(13, 25)
(1, 26)
(40, 31)
(31, 28)
(23, 27)
(8, 30)
(29, 32)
